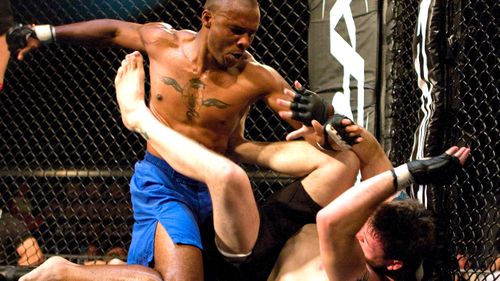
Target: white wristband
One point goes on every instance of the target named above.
(45, 33)
(403, 177)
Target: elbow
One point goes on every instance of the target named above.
(322, 218)
(326, 221)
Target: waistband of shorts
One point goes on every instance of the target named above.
(164, 166)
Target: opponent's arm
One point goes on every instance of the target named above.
(339, 221)
(94, 33)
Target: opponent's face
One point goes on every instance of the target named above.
(372, 247)
(231, 33)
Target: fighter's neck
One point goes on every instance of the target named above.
(197, 53)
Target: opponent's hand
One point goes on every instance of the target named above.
(440, 169)
(21, 39)
(306, 105)
(316, 129)
(343, 133)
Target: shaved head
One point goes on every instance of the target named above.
(225, 5)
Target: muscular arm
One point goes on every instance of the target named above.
(95, 33)
(102, 33)
(276, 85)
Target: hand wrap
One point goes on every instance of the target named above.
(18, 35)
(336, 131)
(308, 106)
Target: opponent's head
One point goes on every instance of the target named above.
(231, 27)
(397, 237)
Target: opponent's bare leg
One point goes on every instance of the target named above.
(60, 269)
(236, 218)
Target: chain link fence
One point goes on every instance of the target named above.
(401, 80)
(468, 210)
(66, 159)
(474, 215)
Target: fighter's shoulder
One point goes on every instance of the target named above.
(163, 32)
(261, 71)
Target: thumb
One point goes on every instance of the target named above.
(318, 130)
(20, 54)
(297, 85)
(297, 133)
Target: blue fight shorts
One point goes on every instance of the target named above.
(160, 194)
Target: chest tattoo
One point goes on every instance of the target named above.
(190, 94)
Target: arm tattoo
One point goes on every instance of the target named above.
(144, 134)
(190, 94)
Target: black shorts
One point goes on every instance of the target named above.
(6, 18)
(281, 216)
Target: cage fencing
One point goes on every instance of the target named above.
(467, 211)
(66, 159)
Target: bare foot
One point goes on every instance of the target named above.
(51, 270)
(129, 83)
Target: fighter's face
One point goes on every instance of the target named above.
(231, 34)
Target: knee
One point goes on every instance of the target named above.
(228, 173)
(349, 159)
(345, 161)
(342, 167)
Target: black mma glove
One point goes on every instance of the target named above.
(308, 106)
(18, 35)
(334, 129)
(436, 170)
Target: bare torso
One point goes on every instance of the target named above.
(204, 104)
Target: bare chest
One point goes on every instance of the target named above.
(206, 99)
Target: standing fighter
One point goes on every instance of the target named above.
(202, 86)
